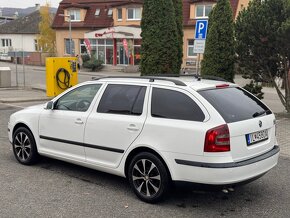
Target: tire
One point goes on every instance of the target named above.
(149, 183)
(24, 147)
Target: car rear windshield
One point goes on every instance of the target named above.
(235, 104)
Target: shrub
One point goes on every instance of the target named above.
(93, 64)
(85, 58)
(255, 89)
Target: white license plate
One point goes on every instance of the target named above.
(256, 137)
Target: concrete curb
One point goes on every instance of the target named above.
(24, 98)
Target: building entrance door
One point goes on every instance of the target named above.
(121, 55)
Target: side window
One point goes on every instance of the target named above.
(122, 99)
(78, 99)
(172, 104)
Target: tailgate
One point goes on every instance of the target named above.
(251, 123)
(250, 138)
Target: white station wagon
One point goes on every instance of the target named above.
(153, 131)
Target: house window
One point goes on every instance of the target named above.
(36, 47)
(202, 11)
(69, 49)
(134, 13)
(190, 46)
(110, 12)
(97, 13)
(75, 15)
(6, 42)
(120, 14)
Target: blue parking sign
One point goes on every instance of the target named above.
(201, 29)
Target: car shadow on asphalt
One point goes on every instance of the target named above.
(193, 196)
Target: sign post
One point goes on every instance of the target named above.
(199, 42)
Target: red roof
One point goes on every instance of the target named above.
(91, 21)
(103, 20)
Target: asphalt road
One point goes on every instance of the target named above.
(57, 189)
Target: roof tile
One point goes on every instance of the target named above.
(23, 25)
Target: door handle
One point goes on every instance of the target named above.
(132, 127)
(79, 121)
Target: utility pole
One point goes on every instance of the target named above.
(70, 32)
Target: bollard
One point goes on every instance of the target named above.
(5, 77)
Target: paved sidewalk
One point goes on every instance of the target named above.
(14, 95)
(283, 134)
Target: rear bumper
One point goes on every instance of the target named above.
(262, 157)
(225, 173)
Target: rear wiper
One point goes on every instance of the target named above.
(260, 113)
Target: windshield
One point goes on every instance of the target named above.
(235, 104)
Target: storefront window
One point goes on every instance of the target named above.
(101, 53)
(137, 55)
(109, 41)
(101, 49)
(137, 41)
(109, 54)
(101, 41)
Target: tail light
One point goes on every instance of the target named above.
(217, 139)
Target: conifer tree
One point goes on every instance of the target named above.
(219, 55)
(159, 50)
(177, 4)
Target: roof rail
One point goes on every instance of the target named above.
(198, 77)
(151, 79)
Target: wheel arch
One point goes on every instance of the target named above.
(138, 150)
(18, 125)
(21, 124)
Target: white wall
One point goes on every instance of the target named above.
(19, 42)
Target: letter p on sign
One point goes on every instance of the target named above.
(201, 29)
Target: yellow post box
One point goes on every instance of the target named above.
(61, 74)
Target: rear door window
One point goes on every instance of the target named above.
(122, 99)
(235, 104)
(173, 104)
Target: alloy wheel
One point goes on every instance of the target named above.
(22, 146)
(146, 177)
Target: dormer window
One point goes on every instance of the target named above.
(75, 14)
(110, 12)
(203, 10)
(97, 13)
(134, 13)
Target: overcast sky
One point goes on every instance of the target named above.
(27, 3)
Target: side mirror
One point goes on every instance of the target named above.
(49, 105)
